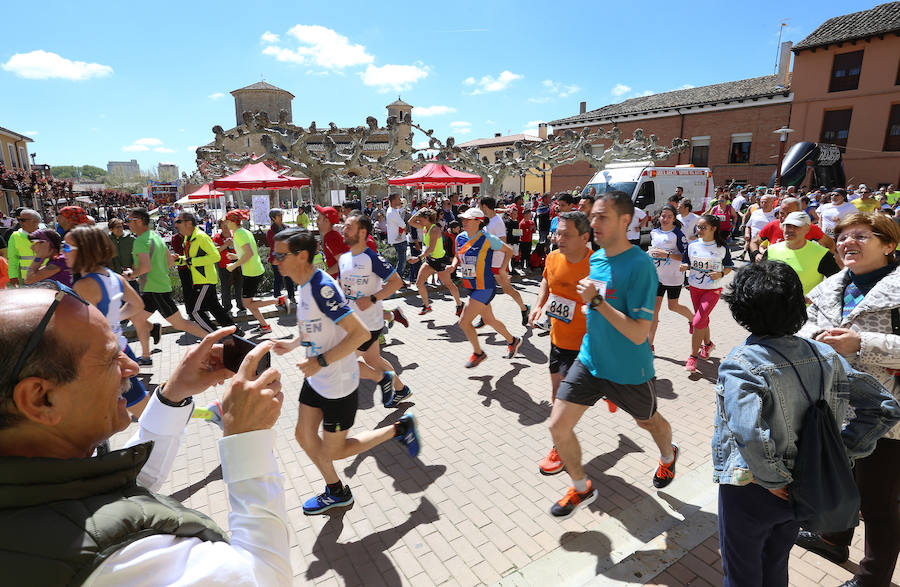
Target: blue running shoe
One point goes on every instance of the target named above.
(399, 396)
(410, 437)
(387, 388)
(325, 501)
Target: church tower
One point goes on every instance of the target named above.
(262, 97)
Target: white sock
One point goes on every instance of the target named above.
(581, 485)
(667, 461)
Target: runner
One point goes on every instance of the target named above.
(436, 257)
(363, 272)
(496, 227)
(475, 250)
(246, 258)
(330, 331)
(615, 359)
(667, 248)
(333, 245)
(708, 260)
(201, 257)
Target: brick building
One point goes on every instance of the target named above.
(730, 126)
(846, 87)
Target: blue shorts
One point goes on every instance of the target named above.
(483, 295)
(137, 392)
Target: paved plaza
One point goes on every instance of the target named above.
(473, 509)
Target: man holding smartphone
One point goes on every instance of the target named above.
(331, 332)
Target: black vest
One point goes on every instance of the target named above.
(61, 518)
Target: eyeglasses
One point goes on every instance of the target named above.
(702, 226)
(67, 248)
(860, 237)
(35, 338)
(282, 256)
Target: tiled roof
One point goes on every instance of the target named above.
(884, 18)
(16, 135)
(745, 89)
(399, 102)
(262, 86)
(505, 140)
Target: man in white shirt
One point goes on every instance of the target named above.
(639, 221)
(96, 520)
(688, 219)
(396, 231)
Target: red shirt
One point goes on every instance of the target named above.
(772, 231)
(219, 241)
(333, 247)
(370, 242)
(527, 226)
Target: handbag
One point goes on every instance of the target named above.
(823, 494)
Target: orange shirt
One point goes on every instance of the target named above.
(4, 273)
(564, 302)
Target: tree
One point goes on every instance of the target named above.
(535, 157)
(66, 171)
(94, 173)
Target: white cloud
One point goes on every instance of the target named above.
(556, 89)
(489, 121)
(318, 46)
(646, 93)
(533, 122)
(421, 145)
(460, 123)
(433, 110)
(45, 65)
(31, 133)
(151, 142)
(164, 150)
(269, 37)
(620, 89)
(192, 148)
(530, 131)
(216, 96)
(489, 83)
(461, 127)
(393, 77)
(541, 100)
(132, 148)
(143, 144)
(180, 130)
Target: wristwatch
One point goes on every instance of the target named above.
(321, 360)
(373, 299)
(596, 301)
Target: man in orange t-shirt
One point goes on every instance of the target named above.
(560, 301)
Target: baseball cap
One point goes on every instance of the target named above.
(862, 188)
(75, 214)
(46, 235)
(330, 213)
(472, 214)
(237, 216)
(797, 219)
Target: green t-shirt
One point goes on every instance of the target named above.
(157, 280)
(254, 266)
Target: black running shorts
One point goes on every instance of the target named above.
(161, 302)
(561, 359)
(338, 414)
(373, 336)
(250, 285)
(581, 387)
(672, 291)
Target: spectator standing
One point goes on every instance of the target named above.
(276, 215)
(48, 263)
(19, 248)
(396, 232)
(124, 243)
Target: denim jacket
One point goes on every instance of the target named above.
(760, 407)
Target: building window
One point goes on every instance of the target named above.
(740, 148)
(845, 71)
(2, 156)
(700, 151)
(12, 155)
(892, 137)
(23, 158)
(836, 127)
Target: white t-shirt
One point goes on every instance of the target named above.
(396, 226)
(689, 225)
(758, 220)
(362, 276)
(704, 258)
(738, 203)
(496, 227)
(634, 230)
(671, 241)
(830, 215)
(322, 305)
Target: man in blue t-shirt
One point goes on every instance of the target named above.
(615, 360)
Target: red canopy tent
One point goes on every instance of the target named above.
(205, 193)
(258, 176)
(436, 175)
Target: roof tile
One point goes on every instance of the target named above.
(884, 18)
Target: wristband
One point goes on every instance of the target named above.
(373, 299)
(167, 402)
(321, 360)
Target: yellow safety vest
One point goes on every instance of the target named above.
(805, 261)
(20, 255)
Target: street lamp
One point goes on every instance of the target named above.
(784, 131)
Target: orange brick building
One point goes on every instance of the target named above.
(730, 126)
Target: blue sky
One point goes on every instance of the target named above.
(97, 81)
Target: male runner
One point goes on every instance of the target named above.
(362, 273)
(615, 360)
(201, 257)
(330, 331)
(497, 227)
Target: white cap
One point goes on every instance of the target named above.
(797, 219)
(862, 187)
(472, 214)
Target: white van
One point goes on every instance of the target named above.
(651, 186)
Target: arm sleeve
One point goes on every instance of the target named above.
(681, 242)
(828, 266)
(765, 232)
(331, 301)
(641, 292)
(875, 412)
(164, 425)
(815, 233)
(727, 261)
(380, 266)
(495, 243)
(212, 255)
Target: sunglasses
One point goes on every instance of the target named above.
(67, 248)
(35, 338)
(282, 256)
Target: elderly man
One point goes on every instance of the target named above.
(772, 231)
(67, 518)
(811, 261)
(124, 242)
(19, 247)
(865, 202)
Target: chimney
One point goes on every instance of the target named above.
(582, 107)
(497, 134)
(542, 130)
(784, 64)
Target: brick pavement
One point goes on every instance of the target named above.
(472, 509)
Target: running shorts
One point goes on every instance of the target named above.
(561, 359)
(581, 387)
(483, 295)
(337, 414)
(161, 302)
(251, 286)
(373, 336)
(438, 264)
(673, 291)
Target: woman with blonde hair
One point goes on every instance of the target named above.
(437, 258)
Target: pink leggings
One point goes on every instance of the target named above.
(704, 301)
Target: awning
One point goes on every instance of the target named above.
(258, 176)
(437, 175)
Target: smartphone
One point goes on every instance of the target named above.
(235, 348)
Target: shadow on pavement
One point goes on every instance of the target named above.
(531, 352)
(409, 475)
(664, 389)
(183, 494)
(513, 398)
(447, 332)
(369, 554)
(186, 339)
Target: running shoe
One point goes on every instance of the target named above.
(381, 339)
(480, 322)
(399, 317)
(475, 360)
(459, 309)
(212, 414)
(424, 310)
(156, 332)
(551, 464)
(267, 328)
(387, 388)
(325, 501)
(665, 473)
(525, 313)
(512, 347)
(144, 361)
(410, 437)
(691, 364)
(573, 500)
(282, 302)
(706, 349)
(399, 396)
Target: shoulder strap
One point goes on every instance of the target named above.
(103, 306)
